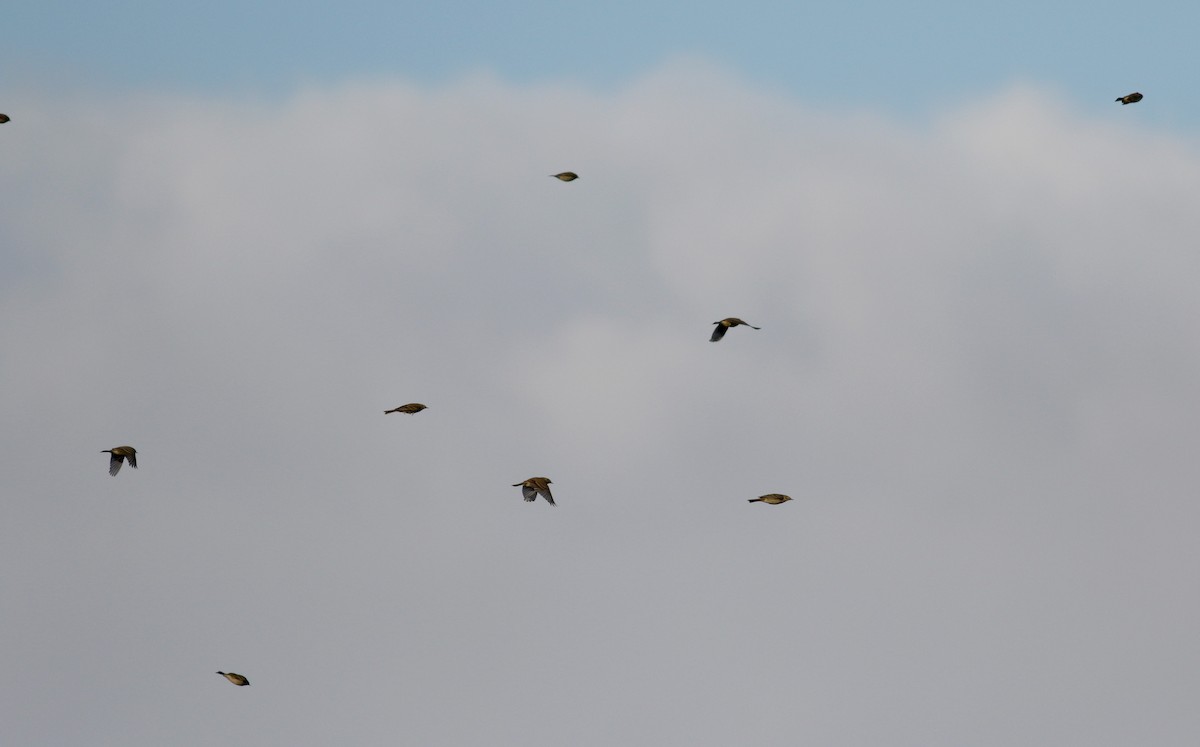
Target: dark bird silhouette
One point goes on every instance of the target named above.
(535, 486)
(772, 498)
(120, 454)
(566, 176)
(235, 678)
(411, 408)
(4, 118)
(1132, 98)
(724, 325)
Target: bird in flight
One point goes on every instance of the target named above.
(772, 498)
(119, 455)
(411, 408)
(235, 678)
(566, 176)
(724, 325)
(535, 486)
(1131, 98)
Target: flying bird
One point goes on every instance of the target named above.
(724, 325)
(772, 498)
(120, 454)
(1132, 98)
(4, 118)
(235, 678)
(566, 176)
(411, 408)
(535, 486)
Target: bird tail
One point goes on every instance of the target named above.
(755, 500)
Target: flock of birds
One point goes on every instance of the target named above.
(530, 488)
(534, 486)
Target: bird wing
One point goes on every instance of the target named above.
(718, 333)
(529, 493)
(114, 464)
(133, 460)
(545, 493)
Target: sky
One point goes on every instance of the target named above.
(233, 238)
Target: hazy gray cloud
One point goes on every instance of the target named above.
(975, 375)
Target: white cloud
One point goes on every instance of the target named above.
(975, 375)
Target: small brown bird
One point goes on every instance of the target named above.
(411, 408)
(4, 118)
(724, 325)
(119, 454)
(772, 498)
(1132, 98)
(236, 679)
(535, 486)
(566, 176)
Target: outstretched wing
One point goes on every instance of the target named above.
(114, 464)
(718, 333)
(529, 493)
(545, 493)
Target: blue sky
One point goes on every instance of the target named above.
(895, 56)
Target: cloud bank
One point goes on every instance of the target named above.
(976, 376)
